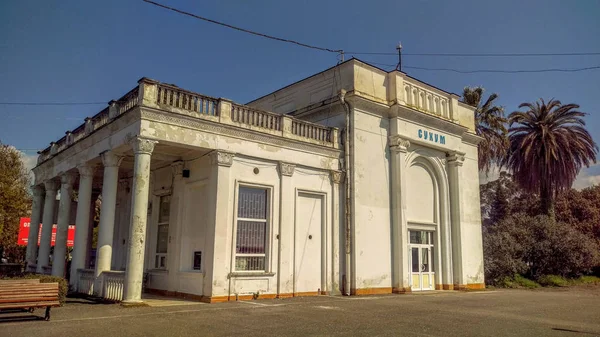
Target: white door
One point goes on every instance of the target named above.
(309, 220)
(421, 260)
(420, 264)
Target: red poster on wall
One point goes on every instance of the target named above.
(24, 233)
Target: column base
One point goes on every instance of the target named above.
(134, 303)
(405, 290)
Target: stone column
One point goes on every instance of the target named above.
(285, 274)
(134, 272)
(34, 226)
(111, 162)
(219, 227)
(400, 273)
(48, 220)
(336, 179)
(82, 221)
(62, 228)
(455, 162)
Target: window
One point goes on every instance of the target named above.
(162, 233)
(197, 261)
(251, 233)
(421, 237)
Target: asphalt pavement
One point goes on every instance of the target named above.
(547, 312)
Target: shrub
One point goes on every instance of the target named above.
(534, 247)
(63, 285)
(516, 281)
(586, 280)
(505, 245)
(553, 281)
(559, 249)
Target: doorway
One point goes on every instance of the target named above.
(308, 250)
(421, 259)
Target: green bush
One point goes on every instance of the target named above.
(516, 281)
(63, 285)
(586, 280)
(553, 281)
(534, 247)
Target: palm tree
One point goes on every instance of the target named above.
(548, 147)
(490, 125)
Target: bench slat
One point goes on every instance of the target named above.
(28, 295)
(29, 305)
(24, 281)
(30, 299)
(30, 286)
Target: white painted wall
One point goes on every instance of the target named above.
(371, 209)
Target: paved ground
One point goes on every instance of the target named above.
(572, 312)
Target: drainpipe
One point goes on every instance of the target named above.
(347, 169)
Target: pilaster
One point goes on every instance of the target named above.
(455, 162)
(285, 274)
(400, 275)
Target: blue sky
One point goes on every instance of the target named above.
(95, 51)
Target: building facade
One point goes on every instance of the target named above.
(354, 181)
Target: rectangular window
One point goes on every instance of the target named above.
(197, 260)
(251, 233)
(162, 233)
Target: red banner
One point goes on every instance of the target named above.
(24, 233)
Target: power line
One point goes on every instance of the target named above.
(52, 103)
(572, 70)
(242, 29)
(477, 54)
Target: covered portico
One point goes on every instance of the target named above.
(138, 153)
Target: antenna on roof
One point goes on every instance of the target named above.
(399, 49)
(341, 56)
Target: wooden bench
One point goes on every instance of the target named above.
(23, 281)
(26, 294)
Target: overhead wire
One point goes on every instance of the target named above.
(477, 54)
(242, 29)
(51, 103)
(490, 70)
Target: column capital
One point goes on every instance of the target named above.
(111, 159)
(286, 169)
(398, 144)
(336, 176)
(142, 145)
(51, 186)
(177, 168)
(222, 158)
(86, 170)
(68, 178)
(455, 159)
(38, 190)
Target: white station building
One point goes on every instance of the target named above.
(352, 181)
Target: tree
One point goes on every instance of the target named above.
(15, 200)
(490, 125)
(548, 147)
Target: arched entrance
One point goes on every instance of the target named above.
(426, 222)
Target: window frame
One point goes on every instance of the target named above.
(155, 255)
(268, 228)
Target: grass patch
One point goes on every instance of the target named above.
(586, 280)
(553, 281)
(517, 281)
